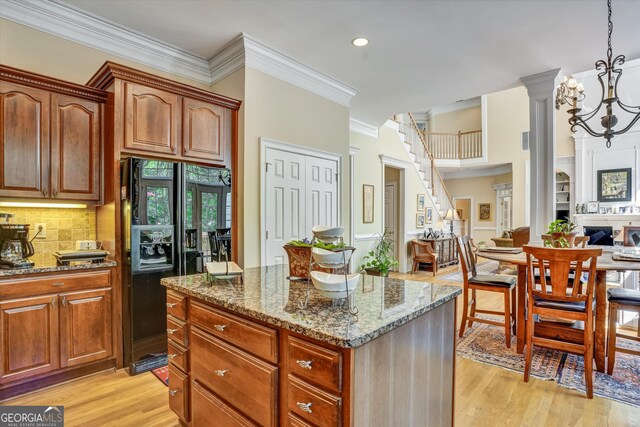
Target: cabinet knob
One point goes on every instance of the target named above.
(171, 304)
(304, 364)
(220, 372)
(44, 192)
(304, 407)
(220, 328)
(54, 192)
(53, 302)
(64, 301)
(172, 356)
(172, 331)
(173, 392)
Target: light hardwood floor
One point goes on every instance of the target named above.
(485, 395)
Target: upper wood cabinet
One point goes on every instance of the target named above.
(151, 119)
(205, 130)
(24, 142)
(75, 148)
(161, 118)
(50, 137)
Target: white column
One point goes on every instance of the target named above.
(542, 144)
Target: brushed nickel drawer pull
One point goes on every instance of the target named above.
(172, 356)
(172, 331)
(304, 364)
(220, 372)
(173, 392)
(171, 304)
(304, 407)
(220, 328)
(58, 284)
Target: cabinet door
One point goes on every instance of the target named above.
(85, 327)
(75, 148)
(29, 337)
(24, 141)
(151, 119)
(205, 130)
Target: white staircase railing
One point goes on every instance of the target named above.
(458, 146)
(423, 157)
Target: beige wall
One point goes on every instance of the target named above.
(40, 52)
(280, 111)
(479, 189)
(462, 120)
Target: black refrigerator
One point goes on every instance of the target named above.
(175, 217)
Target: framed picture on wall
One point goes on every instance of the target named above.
(420, 220)
(485, 212)
(367, 203)
(614, 185)
(429, 218)
(421, 202)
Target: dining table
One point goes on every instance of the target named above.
(605, 264)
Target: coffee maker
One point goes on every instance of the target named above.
(15, 246)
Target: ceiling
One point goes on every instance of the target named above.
(421, 54)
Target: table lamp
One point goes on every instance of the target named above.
(451, 215)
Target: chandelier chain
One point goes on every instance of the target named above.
(609, 49)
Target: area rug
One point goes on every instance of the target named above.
(486, 267)
(486, 344)
(162, 374)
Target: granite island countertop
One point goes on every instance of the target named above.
(265, 294)
(7, 273)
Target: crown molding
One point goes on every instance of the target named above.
(68, 22)
(358, 126)
(80, 27)
(456, 106)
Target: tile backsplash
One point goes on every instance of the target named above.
(64, 227)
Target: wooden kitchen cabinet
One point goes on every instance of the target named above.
(85, 327)
(29, 337)
(50, 138)
(24, 146)
(205, 130)
(152, 118)
(75, 148)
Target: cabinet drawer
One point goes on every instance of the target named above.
(177, 305)
(177, 330)
(314, 363)
(293, 421)
(178, 356)
(208, 410)
(57, 283)
(247, 383)
(312, 404)
(252, 337)
(179, 393)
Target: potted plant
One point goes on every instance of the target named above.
(562, 234)
(379, 261)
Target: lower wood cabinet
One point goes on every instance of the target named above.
(209, 410)
(29, 337)
(179, 393)
(44, 335)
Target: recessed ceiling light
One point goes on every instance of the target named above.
(360, 41)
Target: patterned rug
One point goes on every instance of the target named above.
(162, 374)
(485, 343)
(486, 267)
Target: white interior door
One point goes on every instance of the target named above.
(301, 191)
(390, 214)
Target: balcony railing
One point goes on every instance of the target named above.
(456, 146)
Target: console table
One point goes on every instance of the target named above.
(447, 248)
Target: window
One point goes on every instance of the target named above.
(157, 169)
(209, 211)
(158, 210)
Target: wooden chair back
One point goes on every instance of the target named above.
(581, 241)
(467, 257)
(419, 248)
(556, 263)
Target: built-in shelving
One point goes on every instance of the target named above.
(563, 195)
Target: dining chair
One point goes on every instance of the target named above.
(620, 299)
(553, 296)
(423, 252)
(213, 245)
(474, 282)
(581, 241)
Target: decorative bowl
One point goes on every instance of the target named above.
(324, 232)
(334, 282)
(331, 259)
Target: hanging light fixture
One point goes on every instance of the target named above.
(572, 92)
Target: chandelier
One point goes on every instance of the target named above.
(572, 92)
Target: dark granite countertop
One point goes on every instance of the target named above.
(265, 294)
(55, 269)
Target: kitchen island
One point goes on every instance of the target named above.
(243, 352)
